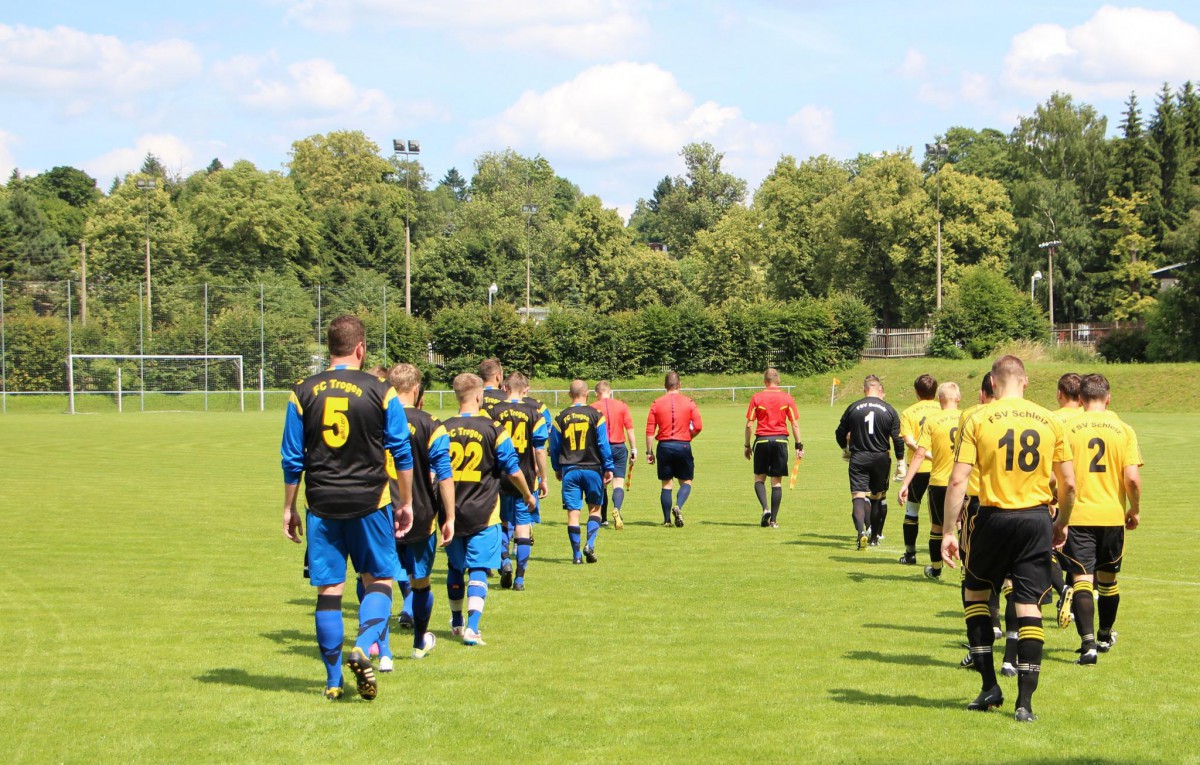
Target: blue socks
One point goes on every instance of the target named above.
(406, 590)
(454, 594)
(618, 498)
(330, 633)
(664, 499)
(373, 615)
(524, 547)
(573, 535)
(593, 530)
(684, 491)
(422, 610)
(477, 590)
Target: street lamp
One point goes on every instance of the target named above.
(940, 151)
(148, 185)
(407, 148)
(1037, 276)
(1049, 247)
(529, 211)
(492, 290)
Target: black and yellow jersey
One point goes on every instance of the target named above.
(1014, 444)
(580, 440)
(431, 463)
(1104, 446)
(938, 435)
(525, 426)
(480, 452)
(491, 397)
(912, 420)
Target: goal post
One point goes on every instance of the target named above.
(165, 381)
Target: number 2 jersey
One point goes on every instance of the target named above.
(524, 424)
(337, 426)
(1104, 446)
(480, 452)
(1013, 444)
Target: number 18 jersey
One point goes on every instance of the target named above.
(1013, 444)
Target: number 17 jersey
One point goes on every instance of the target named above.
(1013, 444)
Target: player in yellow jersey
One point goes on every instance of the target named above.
(1069, 403)
(912, 420)
(1109, 494)
(1016, 445)
(935, 447)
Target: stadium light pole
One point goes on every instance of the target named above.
(1037, 276)
(492, 290)
(148, 185)
(940, 151)
(529, 211)
(408, 149)
(1049, 247)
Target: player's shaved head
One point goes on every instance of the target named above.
(517, 384)
(871, 382)
(771, 376)
(466, 385)
(344, 335)
(490, 370)
(948, 391)
(1069, 386)
(1007, 370)
(404, 377)
(671, 381)
(926, 386)
(1093, 387)
(603, 387)
(578, 390)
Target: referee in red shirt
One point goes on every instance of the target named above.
(770, 414)
(620, 432)
(674, 420)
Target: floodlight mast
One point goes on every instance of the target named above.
(1049, 247)
(408, 149)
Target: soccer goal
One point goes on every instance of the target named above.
(100, 382)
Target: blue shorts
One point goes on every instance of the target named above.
(480, 550)
(514, 510)
(580, 485)
(620, 459)
(416, 559)
(674, 460)
(369, 542)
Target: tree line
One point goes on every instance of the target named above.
(819, 228)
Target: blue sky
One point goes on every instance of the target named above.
(607, 90)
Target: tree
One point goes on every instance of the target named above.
(454, 181)
(1128, 286)
(1175, 165)
(30, 248)
(1135, 158)
(727, 260)
(984, 153)
(1064, 141)
(593, 238)
(699, 198)
(1048, 210)
(983, 310)
(336, 168)
(646, 221)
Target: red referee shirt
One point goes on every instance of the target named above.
(616, 414)
(773, 409)
(674, 417)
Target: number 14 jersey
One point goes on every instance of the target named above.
(1013, 444)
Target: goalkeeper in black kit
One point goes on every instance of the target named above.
(864, 433)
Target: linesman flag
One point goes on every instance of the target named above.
(833, 390)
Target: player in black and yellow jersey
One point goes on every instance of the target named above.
(338, 425)
(935, 445)
(1108, 501)
(582, 461)
(912, 420)
(525, 426)
(1016, 445)
(480, 453)
(491, 371)
(433, 502)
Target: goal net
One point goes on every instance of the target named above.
(155, 383)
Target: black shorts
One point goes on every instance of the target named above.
(674, 460)
(937, 504)
(917, 487)
(620, 455)
(869, 472)
(771, 455)
(1093, 548)
(969, 513)
(1012, 544)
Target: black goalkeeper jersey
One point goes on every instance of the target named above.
(871, 424)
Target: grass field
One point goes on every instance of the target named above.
(152, 611)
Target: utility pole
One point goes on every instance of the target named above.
(1049, 247)
(530, 211)
(83, 282)
(940, 151)
(146, 186)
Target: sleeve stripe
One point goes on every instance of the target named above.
(295, 401)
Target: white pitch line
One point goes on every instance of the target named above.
(1124, 577)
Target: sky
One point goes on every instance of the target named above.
(608, 91)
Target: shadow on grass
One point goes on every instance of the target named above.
(854, 696)
(911, 659)
(859, 576)
(737, 525)
(916, 628)
(876, 561)
(242, 678)
(811, 543)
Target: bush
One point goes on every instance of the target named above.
(1124, 345)
(982, 311)
(36, 351)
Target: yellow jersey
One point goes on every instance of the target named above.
(1014, 444)
(1104, 446)
(911, 421)
(973, 479)
(1067, 413)
(938, 436)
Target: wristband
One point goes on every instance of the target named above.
(747, 446)
(799, 446)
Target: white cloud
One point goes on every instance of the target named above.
(175, 154)
(1116, 51)
(914, 65)
(814, 127)
(80, 71)
(578, 28)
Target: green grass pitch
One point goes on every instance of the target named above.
(152, 611)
